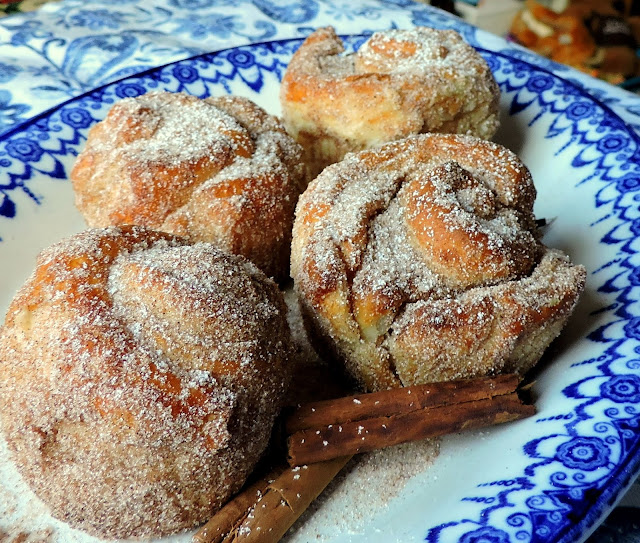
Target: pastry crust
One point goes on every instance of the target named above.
(399, 83)
(219, 170)
(140, 379)
(420, 261)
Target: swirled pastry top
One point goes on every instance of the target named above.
(420, 261)
(217, 169)
(400, 82)
(140, 379)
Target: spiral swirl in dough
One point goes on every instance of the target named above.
(219, 170)
(140, 379)
(420, 261)
(399, 83)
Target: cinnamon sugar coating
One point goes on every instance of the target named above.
(140, 379)
(399, 83)
(219, 170)
(420, 261)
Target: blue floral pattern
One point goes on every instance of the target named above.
(575, 461)
(110, 40)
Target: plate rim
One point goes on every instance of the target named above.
(622, 480)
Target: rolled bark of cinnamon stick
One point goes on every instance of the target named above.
(233, 513)
(399, 400)
(264, 513)
(325, 430)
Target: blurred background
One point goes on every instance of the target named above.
(599, 37)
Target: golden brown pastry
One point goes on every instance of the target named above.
(420, 261)
(140, 377)
(595, 37)
(400, 82)
(219, 170)
(562, 37)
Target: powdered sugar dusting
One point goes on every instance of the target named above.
(418, 49)
(172, 133)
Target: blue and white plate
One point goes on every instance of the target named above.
(550, 478)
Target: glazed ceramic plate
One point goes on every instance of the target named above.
(548, 478)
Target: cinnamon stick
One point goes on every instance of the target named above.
(263, 513)
(399, 400)
(361, 423)
(233, 513)
(320, 431)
